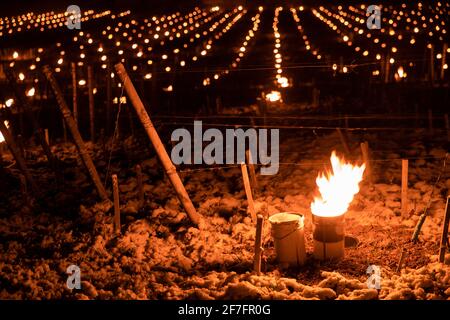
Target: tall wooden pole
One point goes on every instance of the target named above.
(108, 100)
(366, 159)
(248, 192)
(432, 64)
(158, 145)
(74, 92)
(91, 103)
(17, 155)
(67, 115)
(404, 187)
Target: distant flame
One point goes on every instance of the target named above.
(337, 188)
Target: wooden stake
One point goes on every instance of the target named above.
(157, 144)
(91, 104)
(248, 192)
(67, 115)
(74, 92)
(443, 60)
(12, 145)
(447, 126)
(343, 141)
(258, 244)
(47, 138)
(400, 260)
(115, 184)
(430, 120)
(38, 132)
(251, 169)
(366, 159)
(387, 67)
(140, 186)
(432, 64)
(108, 100)
(444, 237)
(404, 187)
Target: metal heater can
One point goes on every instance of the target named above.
(328, 236)
(289, 238)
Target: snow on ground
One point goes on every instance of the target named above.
(161, 256)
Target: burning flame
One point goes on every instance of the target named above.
(337, 188)
(2, 138)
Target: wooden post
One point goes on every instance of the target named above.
(47, 138)
(430, 120)
(157, 144)
(443, 60)
(248, 192)
(108, 100)
(447, 126)
(366, 159)
(401, 259)
(251, 169)
(258, 244)
(67, 115)
(74, 92)
(91, 104)
(12, 145)
(444, 237)
(432, 64)
(140, 186)
(115, 184)
(404, 187)
(343, 141)
(387, 69)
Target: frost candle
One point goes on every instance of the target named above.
(337, 189)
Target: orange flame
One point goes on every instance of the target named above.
(337, 188)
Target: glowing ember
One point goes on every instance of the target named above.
(337, 188)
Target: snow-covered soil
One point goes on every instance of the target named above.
(160, 255)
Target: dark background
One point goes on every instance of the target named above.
(22, 6)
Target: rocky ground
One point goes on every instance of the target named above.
(160, 255)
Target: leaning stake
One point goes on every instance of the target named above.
(67, 115)
(157, 144)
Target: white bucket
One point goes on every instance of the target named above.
(289, 237)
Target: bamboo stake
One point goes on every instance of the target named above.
(67, 115)
(115, 184)
(251, 169)
(140, 186)
(444, 237)
(366, 159)
(74, 92)
(157, 144)
(447, 126)
(258, 245)
(248, 191)
(404, 187)
(12, 145)
(343, 141)
(387, 71)
(91, 104)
